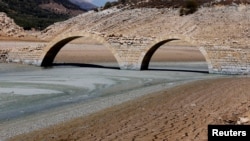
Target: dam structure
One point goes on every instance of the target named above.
(221, 33)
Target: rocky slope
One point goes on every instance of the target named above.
(39, 13)
(84, 4)
(151, 22)
(175, 3)
(8, 27)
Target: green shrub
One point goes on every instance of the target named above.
(189, 7)
(107, 5)
(122, 1)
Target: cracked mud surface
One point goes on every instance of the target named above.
(179, 113)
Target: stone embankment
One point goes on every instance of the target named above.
(25, 55)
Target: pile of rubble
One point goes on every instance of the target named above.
(4, 55)
(26, 55)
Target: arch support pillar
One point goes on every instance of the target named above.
(128, 50)
(228, 59)
(128, 59)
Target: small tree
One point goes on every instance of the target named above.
(189, 7)
(107, 5)
(122, 1)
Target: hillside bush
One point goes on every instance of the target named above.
(107, 5)
(189, 7)
(28, 14)
(122, 1)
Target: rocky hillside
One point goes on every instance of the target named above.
(39, 14)
(152, 22)
(174, 3)
(8, 27)
(64, 7)
(84, 4)
(116, 20)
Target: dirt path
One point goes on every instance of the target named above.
(179, 113)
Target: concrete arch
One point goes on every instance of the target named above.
(146, 56)
(60, 41)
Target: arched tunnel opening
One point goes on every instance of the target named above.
(175, 55)
(82, 52)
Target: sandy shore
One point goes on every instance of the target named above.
(179, 113)
(68, 92)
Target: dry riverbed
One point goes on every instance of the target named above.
(73, 99)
